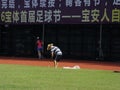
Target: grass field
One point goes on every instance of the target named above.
(20, 77)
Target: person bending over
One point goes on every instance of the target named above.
(56, 53)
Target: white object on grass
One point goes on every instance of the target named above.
(74, 67)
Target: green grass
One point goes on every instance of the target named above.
(19, 77)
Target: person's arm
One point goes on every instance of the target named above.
(36, 43)
(52, 54)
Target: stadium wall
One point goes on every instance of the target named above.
(78, 41)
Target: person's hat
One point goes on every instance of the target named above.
(49, 46)
(38, 38)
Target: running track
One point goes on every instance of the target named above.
(85, 64)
